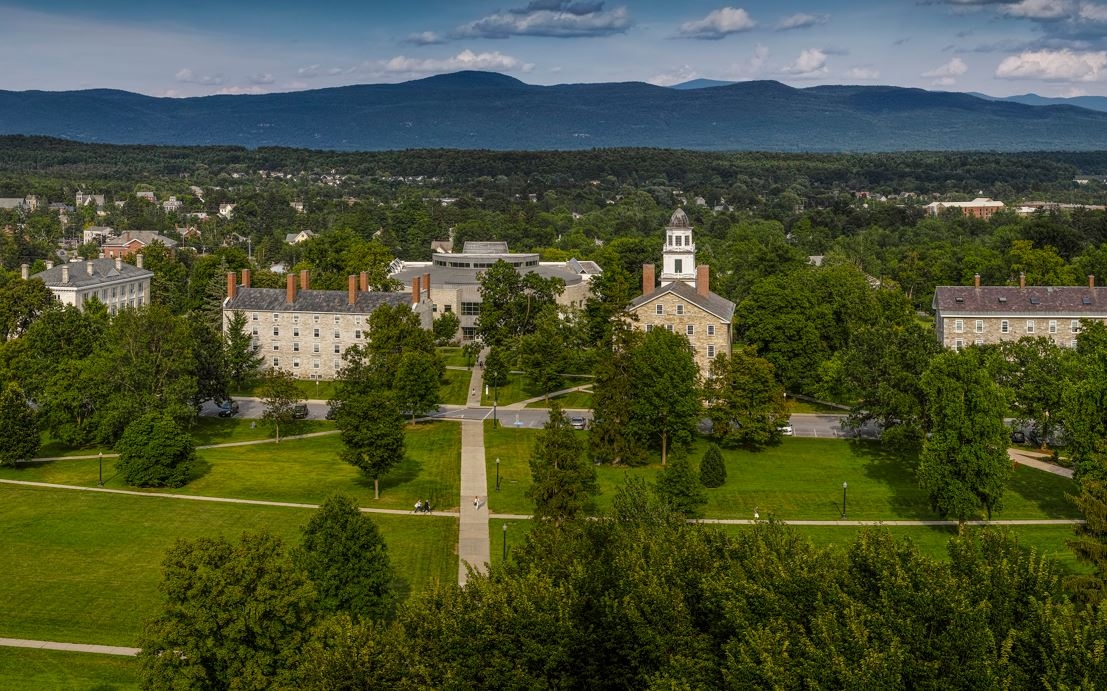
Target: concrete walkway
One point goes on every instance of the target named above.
(251, 442)
(1033, 459)
(519, 405)
(472, 538)
(902, 524)
(72, 647)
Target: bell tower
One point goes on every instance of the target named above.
(679, 256)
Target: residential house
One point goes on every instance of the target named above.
(226, 210)
(83, 199)
(297, 238)
(113, 282)
(132, 241)
(981, 207)
(172, 204)
(97, 234)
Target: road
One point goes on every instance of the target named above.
(804, 424)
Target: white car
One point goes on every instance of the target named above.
(786, 430)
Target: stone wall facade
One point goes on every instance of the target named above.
(708, 334)
(961, 331)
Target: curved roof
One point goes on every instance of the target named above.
(679, 219)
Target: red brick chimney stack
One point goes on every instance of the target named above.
(1022, 279)
(351, 292)
(703, 279)
(231, 287)
(290, 290)
(647, 279)
(415, 282)
(427, 285)
(245, 278)
(1091, 280)
(305, 279)
(976, 280)
(365, 281)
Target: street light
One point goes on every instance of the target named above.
(497, 475)
(505, 542)
(843, 500)
(100, 455)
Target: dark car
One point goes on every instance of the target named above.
(227, 408)
(299, 411)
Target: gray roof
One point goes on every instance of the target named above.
(1000, 300)
(11, 202)
(442, 275)
(713, 303)
(583, 266)
(103, 270)
(484, 248)
(146, 237)
(331, 301)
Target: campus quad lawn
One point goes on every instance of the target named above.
(223, 430)
(574, 399)
(28, 668)
(298, 470)
(455, 357)
(454, 389)
(798, 479)
(85, 566)
(315, 390)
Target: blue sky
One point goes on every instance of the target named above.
(202, 47)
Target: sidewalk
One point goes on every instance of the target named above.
(72, 647)
(1035, 460)
(472, 538)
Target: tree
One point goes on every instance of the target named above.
(1090, 545)
(155, 452)
(446, 327)
(280, 396)
(417, 381)
(21, 303)
(511, 302)
(496, 368)
(612, 438)
(745, 403)
(19, 436)
(712, 468)
(1037, 373)
(679, 485)
(543, 353)
(242, 360)
(372, 434)
(964, 465)
(665, 393)
(234, 615)
(346, 558)
(564, 481)
(471, 350)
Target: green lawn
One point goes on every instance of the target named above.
(517, 389)
(219, 430)
(318, 389)
(84, 567)
(799, 479)
(516, 535)
(29, 669)
(454, 357)
(573, 399)
(795, 405)
(455, 387)
(50, 448)
(301, 470)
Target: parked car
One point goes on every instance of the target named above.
(299, 411)
(578, 422)
(786, 430)
(227, 408)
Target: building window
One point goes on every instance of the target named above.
(296, 331)
(315, 363)
(357, 333)
(337, 349)
(678, 266)
(979, 326)
(357, 320)
(337, 333)
(958, 344)
(295, 319)
(315, 347)
(669, 327)
(276, 331)
(680, 309)
(276, 362)
(315, 318)
(276, 346)
(468, 332)
(711, 352)
(1074, 326)
(254, 331)
(447, 308)
(1053, 326)
(1029, 326)
(958, 325)
(1003, 327)
(659, 308)
(690, 330)
(337, 319)
(979, 341)
(254, 317)
(276, 316)
(470, 309)
(710, 329)
(295, 363)
(316, 332)
(296, 347)
(337, 364)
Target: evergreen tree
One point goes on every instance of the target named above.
(612, 438)
(19, 436)
(242, 360)
(155, 452)
(1090, 544)
(712, 468)
(679, 485)
(564, 481)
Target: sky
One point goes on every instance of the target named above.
(206, 47)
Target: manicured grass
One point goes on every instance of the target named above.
(573, 399)
(454, 357)
(220, 430)
(300, 470)
(517, 389)
(455, 387)
(318, 389)
(84, 567)
(795, 405)
(51, 448)
(516, 536)
(27, 668)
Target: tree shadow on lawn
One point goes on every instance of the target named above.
(200, 467)
(406, 472)
(1043, 491)
(895, 470)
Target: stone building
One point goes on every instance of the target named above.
(979, 315)
(684, 303)
(455, 278)
(306, 331)
(981, 207)
(113, 282)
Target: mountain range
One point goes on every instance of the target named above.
(486, 110)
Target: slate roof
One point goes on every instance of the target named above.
(444, 275)
(325, 301)
(146, 237)
(102, 270)
(583, 266)
(713, 303)
(1000, 300)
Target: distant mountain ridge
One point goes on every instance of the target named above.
(1090, 102)
(485, 110)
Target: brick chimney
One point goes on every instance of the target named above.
(24, 271)
(245, 278)
(89, 267)
(427, 285)
(65, 274)
(647, 279)
(138, 262)
(118, 262)
(305, 279)
(415, 282)
(976, 280)
(1091, 280)
(1022, 279)
(364, 277)
(703, 279)
(351, 292)
(49, 265)
(290, 289)
(232, 289)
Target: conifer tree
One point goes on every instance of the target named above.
(712, 468)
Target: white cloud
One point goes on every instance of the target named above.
(308, 72)
(187, 76)
(683, 73)
(1039, 9)
(810, 63)
(262, 78)
(425, 38)
(554, 18)
(465, 60)
(863, 73)
(1054, 65)
(946, 75)
(801, 20)
(717, 24)
(1092, 12)
(239, 90)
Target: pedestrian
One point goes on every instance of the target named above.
(426, 506)
(418, 506)
(476, 502)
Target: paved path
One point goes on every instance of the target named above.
(519, 405)
(224, 445)
(74, 647)
(1033, 459)
(750, 521)
(472, 538)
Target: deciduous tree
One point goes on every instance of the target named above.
(280, 397)
(155, 452)
(564, 481)
(745, 403)
(665, 398)
(19, 436)
(372, 434)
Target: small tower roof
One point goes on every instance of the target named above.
(679, 219)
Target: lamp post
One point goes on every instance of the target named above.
(100, 455)
(497, 475)
(843, 500)
(505, 542)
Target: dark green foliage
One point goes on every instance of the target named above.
(21, 302)
(745, 403)
(496, 367)
(1090, 545)
(712, 468)
(372, 433)
(511, 303)
(564, 481)
(543, 354)
(446, 327)
(612, 438)
(280, 396)
(242, 361)
(19, 436)
(236, 616)
(680, 487)
(155, 452)
(665, 392)
(416, 382)
(344, 556)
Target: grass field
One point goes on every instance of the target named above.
(219, 430)
(85, 567)
(573, 399)
(30, 669)
(795, 405)
(320, 390)
(454, 357)
(301, 470)
(455, 387)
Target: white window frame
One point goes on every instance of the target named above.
(710, 351)
(958, 326)
(710, 329)
(680, 309)
(1004, 326)
(690, 330)
(1030, 326)
(1053, 326)
(979, 326)
(659, 308)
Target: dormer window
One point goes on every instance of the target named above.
(959, 300)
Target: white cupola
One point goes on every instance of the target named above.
(679, 257)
